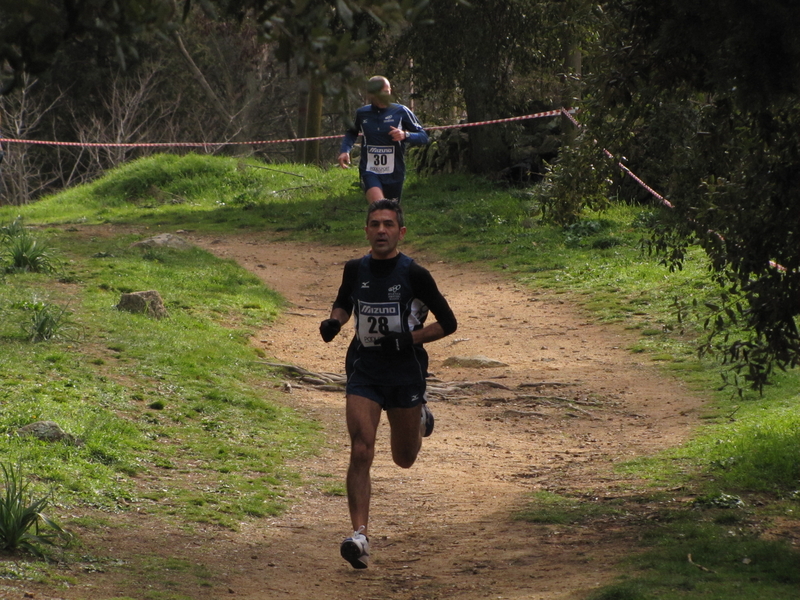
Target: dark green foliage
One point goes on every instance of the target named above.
(512, 64)
(687, 95)
(319, 37)
(33, 32)
(622, 591)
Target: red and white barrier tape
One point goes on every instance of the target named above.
(627, 171)
(658, 196)
(164, 144)
(638, 180)
(568, 113)
(633, 175)
(549, 113)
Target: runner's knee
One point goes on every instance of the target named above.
(361, 452)
(405, 458)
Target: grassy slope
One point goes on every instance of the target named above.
(102, 381)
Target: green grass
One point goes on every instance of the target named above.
(211, 194)
(183, 393)
(728, 560)
(554, 509)
(711, 547)
(188, 390)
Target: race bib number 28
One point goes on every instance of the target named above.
(376, 319)
(380, 159)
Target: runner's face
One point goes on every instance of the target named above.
(383, 98)
(383, 233)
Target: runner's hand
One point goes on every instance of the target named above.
(395, 342)
(329, 328)
(397, 135)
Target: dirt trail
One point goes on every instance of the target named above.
(444, 528)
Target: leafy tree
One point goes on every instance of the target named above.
(68, 57)
(701, 100)
(324, 38)
(33, 31)
(86, 97)
(495, 58)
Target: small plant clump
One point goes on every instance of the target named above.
(22, 252)
(46, 320)
(12, 230)
(21, 516)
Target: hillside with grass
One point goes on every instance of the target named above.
(191, 399)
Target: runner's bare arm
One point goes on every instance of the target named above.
(340, 315)
(429, 333)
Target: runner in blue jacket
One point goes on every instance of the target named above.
(386, 128)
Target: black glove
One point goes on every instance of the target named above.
(329, 328)
(395, 342)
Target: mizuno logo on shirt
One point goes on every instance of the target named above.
(378, 310)
(365, 285)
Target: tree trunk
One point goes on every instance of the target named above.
(313, 124)
(489, 152)
(572, 76)
(302, 123)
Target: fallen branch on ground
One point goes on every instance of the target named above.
(436, 388)
(487, 383)
(701, 567)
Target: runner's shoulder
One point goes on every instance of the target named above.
(418, 274)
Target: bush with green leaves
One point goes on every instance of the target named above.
(21, 516)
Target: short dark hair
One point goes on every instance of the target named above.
(386, 204)
(376, 84)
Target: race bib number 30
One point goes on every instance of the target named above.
(380, 159)
(376, 319)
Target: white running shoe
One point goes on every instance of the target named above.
(426, 421)
(355, 549)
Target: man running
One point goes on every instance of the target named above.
(386, 364)
(386, 128)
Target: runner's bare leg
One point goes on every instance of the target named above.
(405, 437)
(373, 194)
(363, 416)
